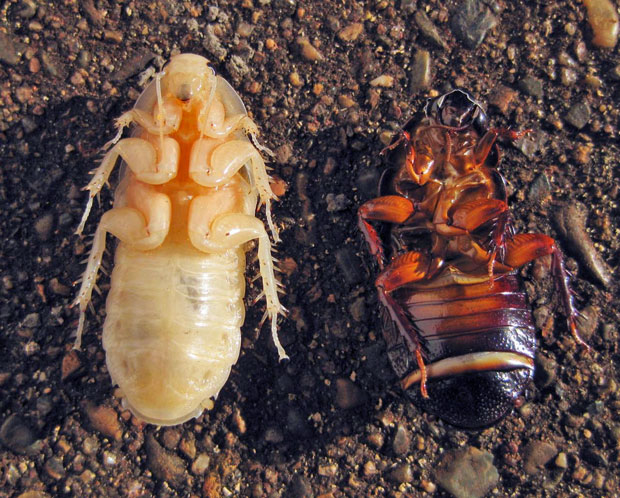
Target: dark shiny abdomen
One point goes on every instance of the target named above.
(461, 319)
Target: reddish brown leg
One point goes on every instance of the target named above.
(410, 267)
(403, 137)
(389, 208)
(484, 145)
(473, 214)
(526, 247)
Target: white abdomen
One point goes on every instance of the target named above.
(172, 331)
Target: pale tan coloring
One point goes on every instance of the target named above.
(183, 213)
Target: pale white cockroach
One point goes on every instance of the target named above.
(183, 212)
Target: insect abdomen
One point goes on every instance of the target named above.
(172, 331)
(479, 343)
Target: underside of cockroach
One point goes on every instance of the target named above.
(458, 328)
(183, 214)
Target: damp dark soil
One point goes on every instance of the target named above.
(328, 84)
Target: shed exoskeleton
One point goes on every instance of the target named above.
(183, 214)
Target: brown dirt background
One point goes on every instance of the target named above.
(69, 68)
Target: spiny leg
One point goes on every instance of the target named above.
(229, 231)
(526, 247)
(486, 142)
(407, 268)
(143, 227)
(389, 208)
(214, 166)
(166, 120)
(142, 158)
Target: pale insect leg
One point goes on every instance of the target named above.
(229, 231)
(141, 157)
(143, 227)
(213, 167)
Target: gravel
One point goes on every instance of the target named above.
(328, 83)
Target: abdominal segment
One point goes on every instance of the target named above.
(172, 331)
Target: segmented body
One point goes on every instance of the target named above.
(458, 328)
(183, 213)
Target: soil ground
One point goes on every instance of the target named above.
(328, 83)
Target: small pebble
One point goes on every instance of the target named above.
(348, 395)
(582, 153)
(327, 470)
(201, 464)
(113, 36)
(54, 468)
(350, 264)
(308, 51)
(299, 487)
(544, 371)
(370, 469)
(28, 9)
(71, 365)
(501, 97)
(16, 435)
(110, 459)
(603, 20)
(471, 21)
(165, 465)
(375, 440)
(428, 486)
(402, 473)
(50, 65)
(540, 189)
(402, 440)
(428, 29)
(8, 53)
(351, 32)
(244, 29)
(532, 86)
(420, 74)
(595, 457)
(578, 115)
(43, 226)
(593, 81)
(105, 420)
(171, 438)
(32, 320)
(536, 455)
(295, 79)
(571, 221)
(87, 476)
(345, 101)
(568, 76)
(337, 202)
(561, 461)
(58, 288)
(385, 81)
(467, 472)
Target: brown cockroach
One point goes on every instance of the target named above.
(183, 213)
(459, 330)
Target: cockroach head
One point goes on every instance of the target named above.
(457, 109)
(186, 76)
